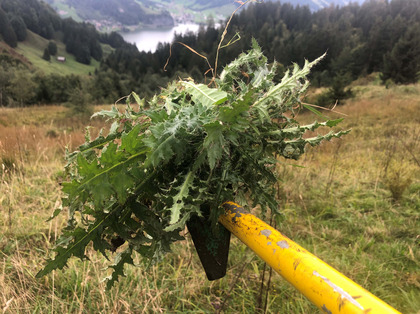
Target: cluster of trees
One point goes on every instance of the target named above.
(50, 50)
(20, 15)
(19, 86)
(82, 40)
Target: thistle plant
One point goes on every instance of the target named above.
(192, 147)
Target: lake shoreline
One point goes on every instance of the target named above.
(147, 38)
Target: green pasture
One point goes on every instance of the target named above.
(33, 48)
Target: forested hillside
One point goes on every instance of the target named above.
(17, 17)
(375, 37)
(359, 40)
(31, 23)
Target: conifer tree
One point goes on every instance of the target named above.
(52, 48)
(402, 64)
(46, 56)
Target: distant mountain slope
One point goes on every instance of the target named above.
(109, 15)
(114, 13)
(313, 4)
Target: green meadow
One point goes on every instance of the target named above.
(32, 49)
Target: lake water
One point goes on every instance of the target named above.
(148, 39)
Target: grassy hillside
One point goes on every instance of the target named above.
(33, 48)
(64, 10)
(344, 206)
(199, 13)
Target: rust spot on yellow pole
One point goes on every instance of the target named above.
(324, 286)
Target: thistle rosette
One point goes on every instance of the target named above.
(193, 147)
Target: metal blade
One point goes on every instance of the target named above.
(212, 246)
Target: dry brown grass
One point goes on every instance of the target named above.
(38, 133)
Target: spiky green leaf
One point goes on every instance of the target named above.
(205, 95)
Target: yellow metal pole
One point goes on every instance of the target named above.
(324, 286)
